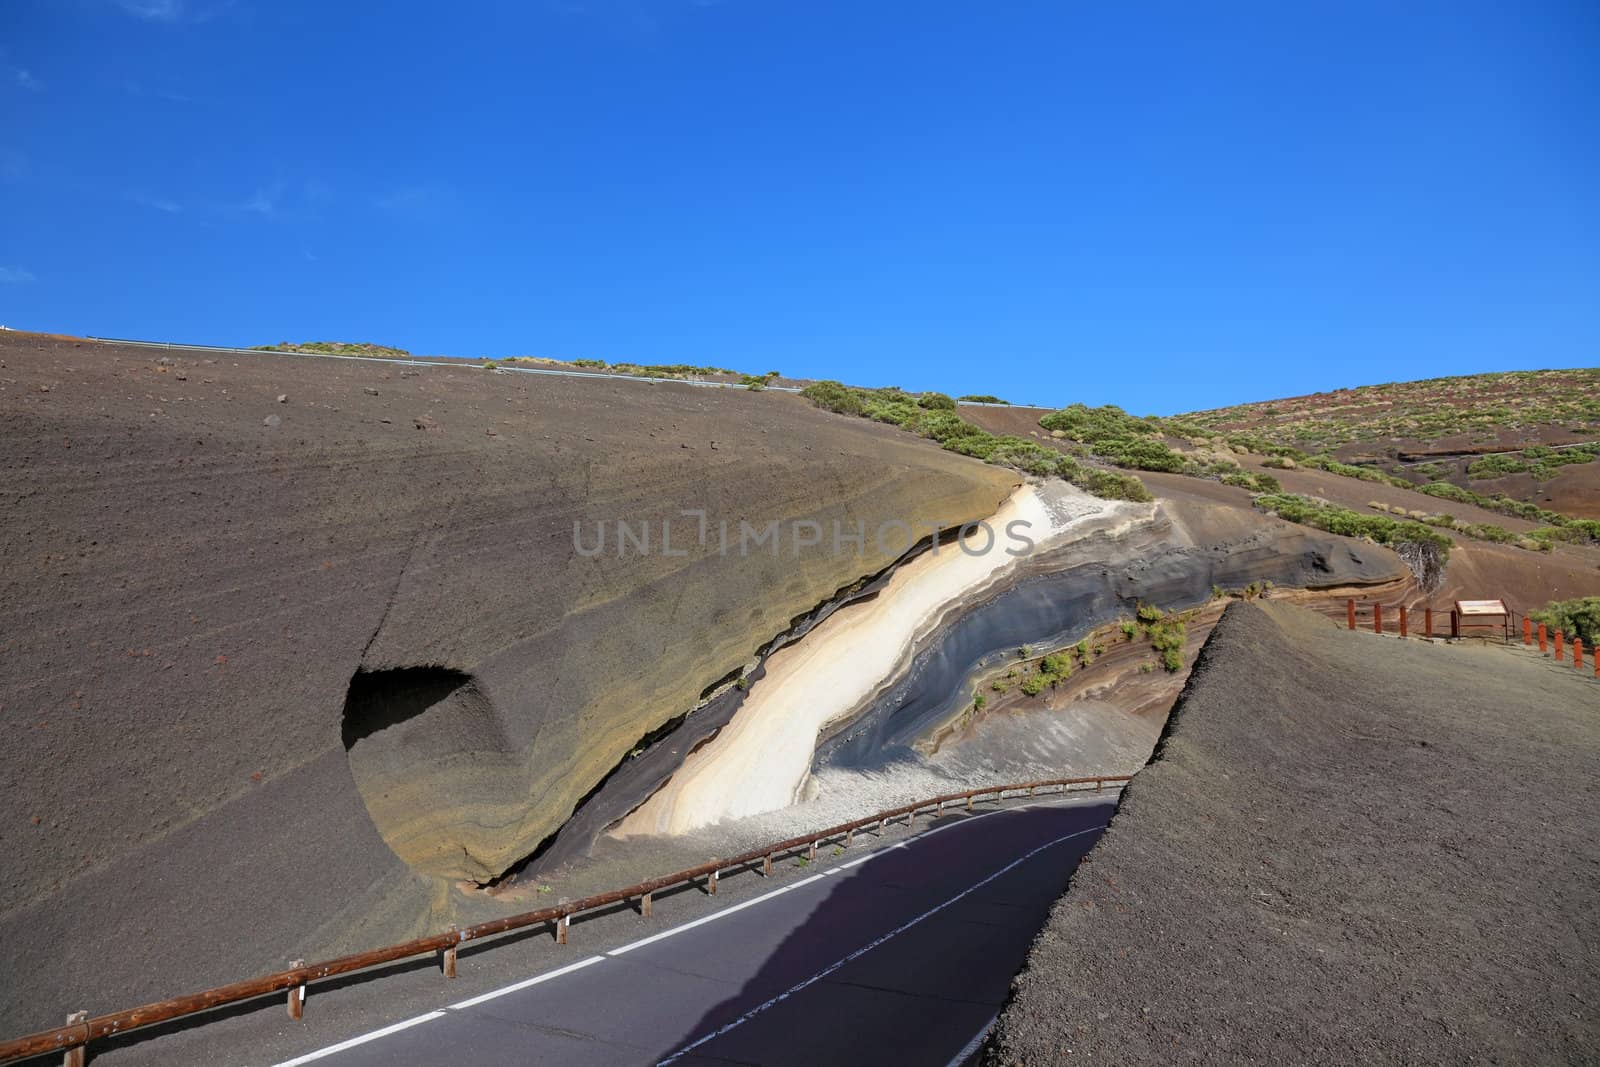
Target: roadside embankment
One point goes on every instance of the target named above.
(1346, 848)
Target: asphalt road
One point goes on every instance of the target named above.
(904, 955)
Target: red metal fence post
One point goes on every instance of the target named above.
(1350, 610)
(1455, 623)
(1577, 652)
(1377, 618)
(1527, 630)
(1402, 620)
(1427, 623)
(1541, 638)
(1558, 645)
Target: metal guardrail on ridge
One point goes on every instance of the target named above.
(81, 1031)
(468, 362)
(414, 361)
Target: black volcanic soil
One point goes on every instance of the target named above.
(1347, 848)
(192, 572)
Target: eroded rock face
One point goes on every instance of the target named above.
(189, 594)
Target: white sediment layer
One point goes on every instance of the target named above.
(760, 761)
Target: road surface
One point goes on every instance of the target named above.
(903, 956)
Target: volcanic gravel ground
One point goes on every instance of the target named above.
(1347, 848)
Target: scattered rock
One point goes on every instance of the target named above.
(425, 422)
(182, 377)
(370, 391)
(283, 398)
(272, 421)
(492, 433)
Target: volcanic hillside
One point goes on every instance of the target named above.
(1522, 433)
(1347, 849)
(299, 654)
(227, 578)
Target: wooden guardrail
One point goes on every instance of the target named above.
(81, 1029)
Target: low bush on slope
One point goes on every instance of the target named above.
(1579, 618)
(1347, 523)
(927, 415)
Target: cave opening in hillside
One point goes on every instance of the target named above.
(378, 700)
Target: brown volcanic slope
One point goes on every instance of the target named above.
(1347, 848)
(1434, 429)
(194, 573)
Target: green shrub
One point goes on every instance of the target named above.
(834, 396)
(1057, 665)
(1579, 617)
(1033, 685)
(937, 401)
(1347, 523)
(984, 398)
(1496, 467)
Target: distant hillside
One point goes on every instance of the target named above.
(1481, 407)
(1527, 435)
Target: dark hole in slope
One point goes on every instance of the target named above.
(378, 700)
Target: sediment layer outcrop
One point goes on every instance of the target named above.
(291, 644)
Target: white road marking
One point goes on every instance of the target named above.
(362, 1040)
(525, 983)
(864, 949)
(692, 924)
(972, 1046)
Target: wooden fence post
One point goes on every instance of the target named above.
(1377, 618)
(1402, 620)
(1455, 623)
(1350, 610)
(297, 994)
(447, 957)
(76, 1057)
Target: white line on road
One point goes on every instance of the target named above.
(525, 983)
(692, 924)
(362, 1040)
(864, 949)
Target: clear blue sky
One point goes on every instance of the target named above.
(1166, 206)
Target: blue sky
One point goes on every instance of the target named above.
(1166, 206)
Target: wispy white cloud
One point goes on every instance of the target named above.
(26, 79)
(264, 201)
(173, 12)
(155, 203)
(419, 203)
(154, 10)
(155, 92)
(15, 275)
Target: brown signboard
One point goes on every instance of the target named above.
(1481, 607)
